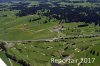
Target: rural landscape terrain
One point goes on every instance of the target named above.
(34, 31)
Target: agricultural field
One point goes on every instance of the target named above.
(34, 32)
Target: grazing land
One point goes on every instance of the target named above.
(34, 31)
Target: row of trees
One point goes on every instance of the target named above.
(21, 61)
(2, 46)
(93, 52)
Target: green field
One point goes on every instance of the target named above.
(33, 39)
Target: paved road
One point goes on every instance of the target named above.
(52, 39)
(48, 39)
